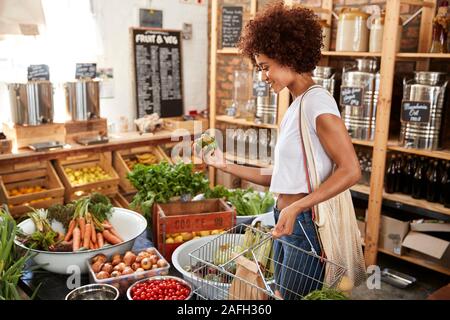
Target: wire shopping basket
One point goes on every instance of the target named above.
(254, 266)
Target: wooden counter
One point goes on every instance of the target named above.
(116, 142)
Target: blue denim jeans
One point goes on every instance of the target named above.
(297, 273)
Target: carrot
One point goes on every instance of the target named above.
(70, 230)
(106, 226)
(82, 224)
(100, 240)
(91, 245)
(116, 234)
(110, 237)
(93, 235)
(87, 235)
(76, 239)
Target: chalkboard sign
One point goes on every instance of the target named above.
(352, 96)
(86, 70)
(38, 72)
(231, 26)
(260, 89)
(416, 111)
(158, 71)
(150, 18)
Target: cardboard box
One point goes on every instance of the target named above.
(434, 249)
(247, 184)
(392, 233)
(423, 225)
(227, 180)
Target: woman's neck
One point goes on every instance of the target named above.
(301, 83)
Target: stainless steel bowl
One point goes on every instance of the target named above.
(191, 289)
(94, 292)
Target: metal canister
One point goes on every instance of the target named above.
(266, 100)
(324, 76)
(83, 99)
(31, 103)
(422, 107)
(359, 97)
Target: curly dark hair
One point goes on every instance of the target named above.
(291, 36)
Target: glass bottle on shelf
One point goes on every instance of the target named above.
(242, 89)
(433, 183)
(408, 175)
(391, 175)
(445, 187)
(398, 173)
(441, 21)
(368, 172)
(419, 181)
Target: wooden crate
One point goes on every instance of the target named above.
(22, 136)
(195, 216)
(120, 201)
(5, 146)
(175, 123)
(88, 128)
(122, 169)
(108, 187)
(28, 175)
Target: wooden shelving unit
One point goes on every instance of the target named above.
(243, 122)
(426, 263)
(406, 199)
(253, 163)
(381, 144)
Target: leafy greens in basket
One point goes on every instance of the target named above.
(247, 202)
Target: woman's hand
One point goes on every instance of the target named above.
(286, 221)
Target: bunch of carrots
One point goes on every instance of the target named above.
(89, 231)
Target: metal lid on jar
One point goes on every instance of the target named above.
(323, 72)
(352, 14)
(367, 65)
(429, 78)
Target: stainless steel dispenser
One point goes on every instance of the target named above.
(82, 99)
(31, 103)
(359, 97)
(324, 76)
(422, 109)
(266, 100)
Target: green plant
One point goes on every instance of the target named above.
(247, 202)
(11, 263)
(325, 294)
(160, 182)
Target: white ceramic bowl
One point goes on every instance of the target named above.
(206, 288)
(128, 224)
(265, 218)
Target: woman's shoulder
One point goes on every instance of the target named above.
(320, 98)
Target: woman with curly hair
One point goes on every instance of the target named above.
(285, 43)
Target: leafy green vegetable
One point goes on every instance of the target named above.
(160, 182)
(247, 202)
(11, 263)
(61, 213)
(44, 237)
(325, 294)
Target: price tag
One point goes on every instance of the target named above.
(86, 71)
(38, 72)
(231, 26)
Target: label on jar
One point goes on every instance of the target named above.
(352, 96)
(260, 89)
(86, 71)
(416, 111)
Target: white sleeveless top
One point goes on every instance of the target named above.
(289, 175)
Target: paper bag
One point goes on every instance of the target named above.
(247, 284)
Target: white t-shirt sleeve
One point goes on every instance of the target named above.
(318, 102)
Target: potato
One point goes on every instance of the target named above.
(138, 259)
(161, 263)
(178, 239)
(115, 274)
(155, 266)
(139, 270)
(116, 259)
(154, 259)
(129, 258)
(99, 257)
(127, 270)
(146, 263)
(135, 266)
(120, 267)
(108, 267)
(102, 275)
(97, 266)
